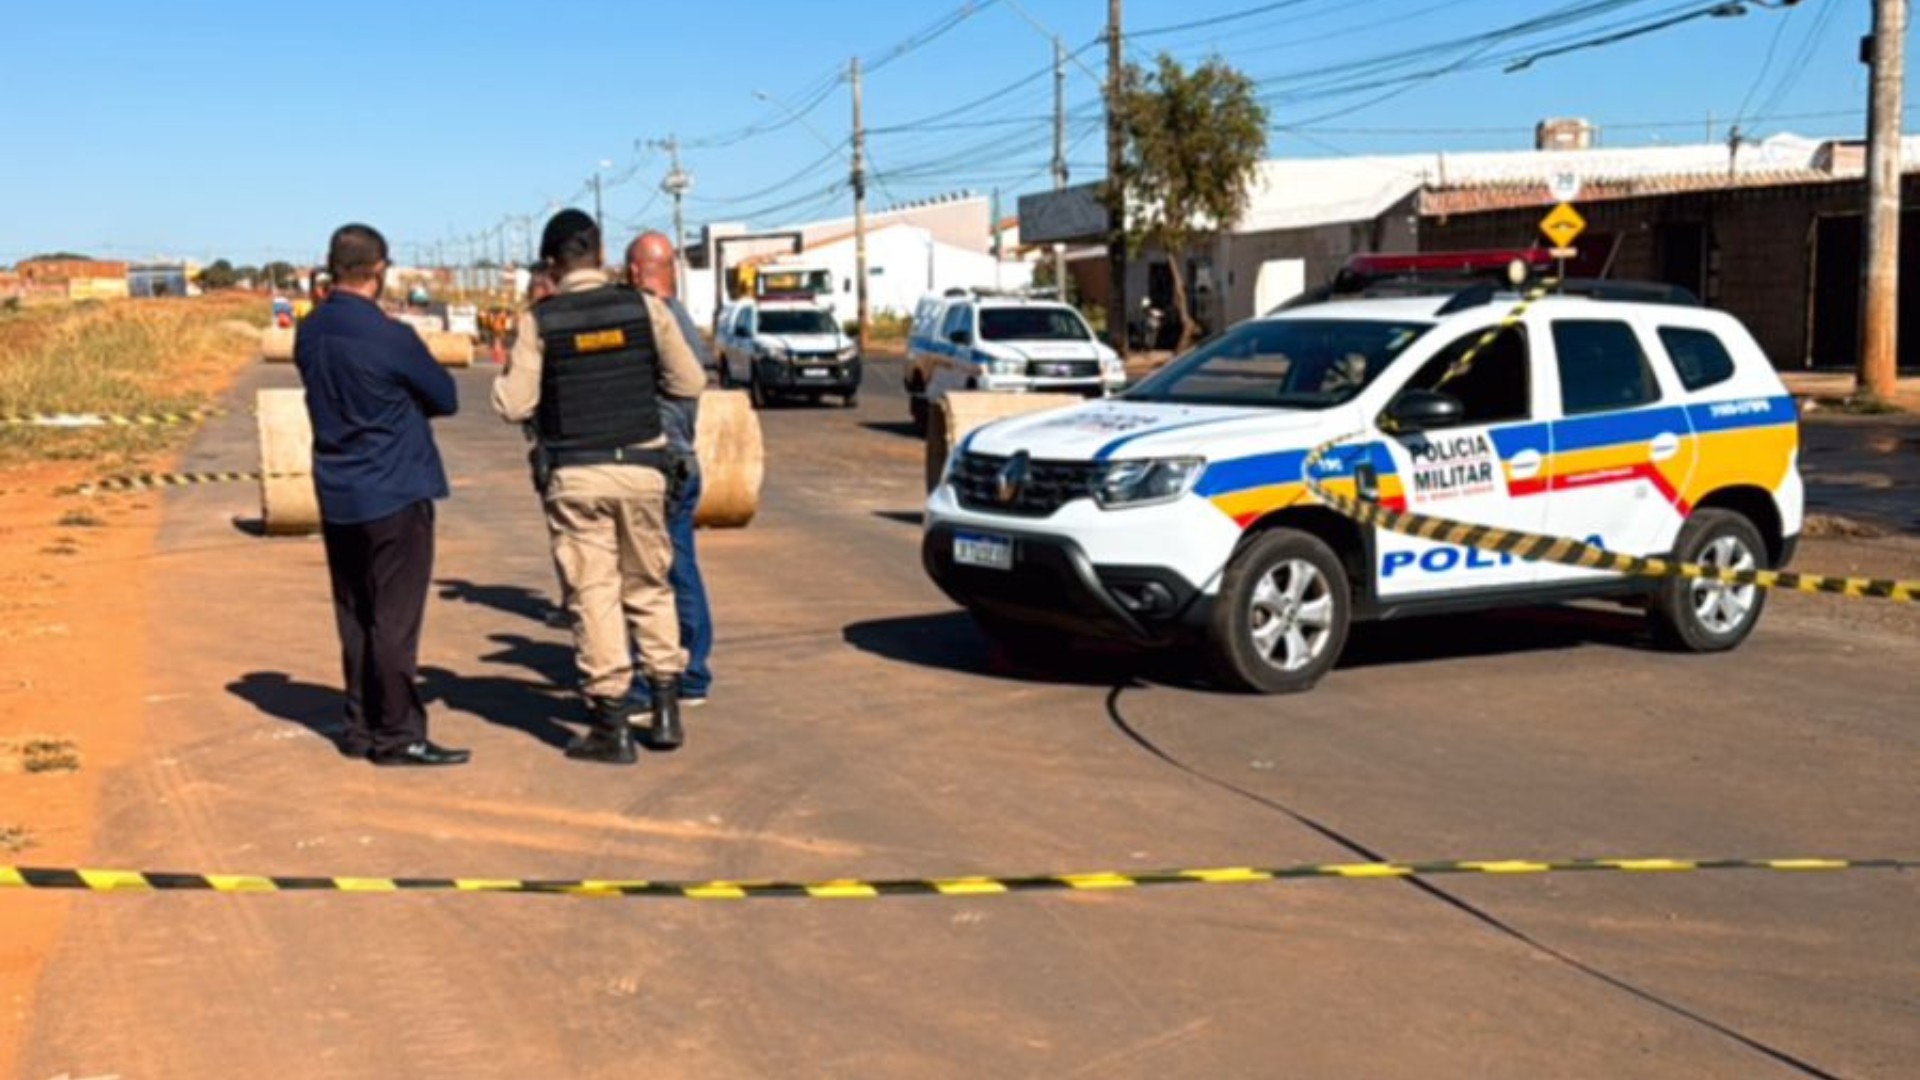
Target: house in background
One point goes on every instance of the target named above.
(1770, 231)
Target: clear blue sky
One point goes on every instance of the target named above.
(249, 131)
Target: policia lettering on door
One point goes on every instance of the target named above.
(1451, 467)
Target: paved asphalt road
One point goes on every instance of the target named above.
(860, 727)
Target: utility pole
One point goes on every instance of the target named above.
(677, 183)
(1116, 190)
(1880, 322)
(1060, 156)
(599, 222)
(859, 178)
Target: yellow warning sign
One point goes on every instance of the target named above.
(1563, 224)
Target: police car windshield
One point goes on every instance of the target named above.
(1295, 363)
(1031, 324)
(774, 321)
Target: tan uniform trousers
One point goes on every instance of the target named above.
(608, 524)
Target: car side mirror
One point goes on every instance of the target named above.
(1420, 410)
(961, 337)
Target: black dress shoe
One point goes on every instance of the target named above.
(355, 750)
(420, 753)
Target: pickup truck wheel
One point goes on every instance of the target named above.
(723, 376)
(1691, 615)
(1284, 611)
(852, 400)
(754, 393)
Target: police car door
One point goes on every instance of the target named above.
(952, 362)
(1622, 447)
(1474, 471)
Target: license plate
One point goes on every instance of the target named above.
(978, 549)
(813, 373)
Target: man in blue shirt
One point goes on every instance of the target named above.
(371, 388)
(650, 268)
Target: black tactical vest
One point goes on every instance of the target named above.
(599, 382)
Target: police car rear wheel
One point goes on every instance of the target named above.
(1283, 614)
(1696, 615)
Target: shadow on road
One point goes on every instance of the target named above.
(915, 518)
(512, 599)
(1501, 633)
(902, 428)
(532, 708)
(281, 696)
(951, 641)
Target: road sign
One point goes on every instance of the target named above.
(1562, 225)
(1564, 186)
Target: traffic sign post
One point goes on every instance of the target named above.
(1562, 226)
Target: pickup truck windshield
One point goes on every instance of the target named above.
(1293, 363)
(1031, 324)
(795, 322)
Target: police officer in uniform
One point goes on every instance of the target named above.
(589, 368)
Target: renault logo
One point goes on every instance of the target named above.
(1011, 478)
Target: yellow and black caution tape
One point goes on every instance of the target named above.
(1507, 322)
(156, 481)
(27, 877)
(97, 420)
(1570, 552)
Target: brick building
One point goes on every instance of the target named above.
(1770, 231)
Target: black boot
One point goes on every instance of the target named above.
(666, 733)
(609, 739)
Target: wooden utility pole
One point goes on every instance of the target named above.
(859, 179)
(1060, 156)
(1880, 322)
(1116, 190)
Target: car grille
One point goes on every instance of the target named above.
(1050, 485)
(1064, 369)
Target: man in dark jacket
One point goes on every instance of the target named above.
(371, 388)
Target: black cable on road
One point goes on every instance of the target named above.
(1465, 907)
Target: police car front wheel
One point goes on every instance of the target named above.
(1283, 614)
(1694, 615)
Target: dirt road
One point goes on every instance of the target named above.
(860, 727)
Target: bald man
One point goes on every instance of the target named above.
(650, 268)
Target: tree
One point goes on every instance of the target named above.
(280, 275)
(1194, 141)
(219, 274)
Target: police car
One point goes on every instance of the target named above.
(779, 348)
(977, 341)
(1624, 416)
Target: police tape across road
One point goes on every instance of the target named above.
(100, 881)
(1584, 554)
(156, 481)
(100, 420)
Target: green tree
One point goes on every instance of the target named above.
(280, 275)
(218, 274)
(1194, 141)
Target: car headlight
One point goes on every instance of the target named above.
(851, 352)
(1009, 367)
(1146, 481)
(773, 352)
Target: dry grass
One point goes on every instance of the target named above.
(39, 754)
(15, 838)
(126, 357)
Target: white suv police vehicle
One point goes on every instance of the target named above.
(780, 348)
(1007, 343)
(1623, 416)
